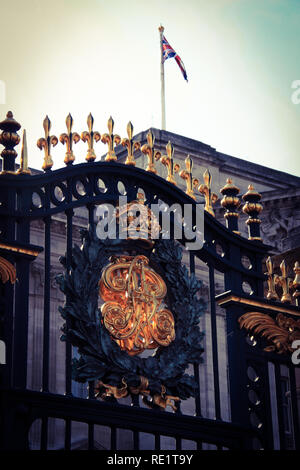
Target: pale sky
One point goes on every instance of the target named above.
(241, 58)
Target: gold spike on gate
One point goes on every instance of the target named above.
(205, 190)
(111, 140)
(131, 145)
(90, 136)
(272, 280)
(167, 160)
(152, 154)
(24, 170)
(46, 143)
(188, 177)
(68, 139)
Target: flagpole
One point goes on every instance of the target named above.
(162, 79)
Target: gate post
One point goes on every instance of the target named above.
(248, 370)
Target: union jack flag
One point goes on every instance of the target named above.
(168, 53)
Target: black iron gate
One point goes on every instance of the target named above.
(258, 417)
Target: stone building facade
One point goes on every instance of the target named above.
(280, 228)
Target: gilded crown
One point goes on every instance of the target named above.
(137, 222)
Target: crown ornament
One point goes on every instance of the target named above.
(137, 222)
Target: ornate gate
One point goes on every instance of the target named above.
(260, 332)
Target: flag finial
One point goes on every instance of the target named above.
(161, 28)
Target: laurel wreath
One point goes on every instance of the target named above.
(100, 358)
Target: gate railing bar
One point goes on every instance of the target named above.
(135, 402)
(46, 324)
(214, 339)
(113, 438)
(69, 215)
(178, 443)
(157, 441)
(90, 436)
(122, 416)
(279, 405)
(295, 404)
(136, 440)
(68, 363)
(91, 392)
(20, 232)
(196, 366)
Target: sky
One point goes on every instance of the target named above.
(81, 56)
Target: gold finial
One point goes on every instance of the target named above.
(272, 280)
(131, 145)
(24, 170)
(231, 202)
(205, 189)
(168, 161)
(90, 136)
(285, 282)
(161, 29)
(45, 143)
(188, 177)
(111, 140)
(68, 139)
(152, 154)
(252, 208)
(9, 138)
(296, 283)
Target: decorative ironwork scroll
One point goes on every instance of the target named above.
(7, 271)
(279, 332)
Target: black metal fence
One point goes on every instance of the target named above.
(32, 410)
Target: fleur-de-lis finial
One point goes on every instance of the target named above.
(296, 283)
(191, 182)
(168, 161)
(272, 280)
(24, 170)
(46, 143)
(68, 139)
(131, 145)
(152, 154)
(90, 136)
(111, 140)
(285, 283)
(205, 189)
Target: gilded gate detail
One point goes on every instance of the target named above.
(136, 295)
